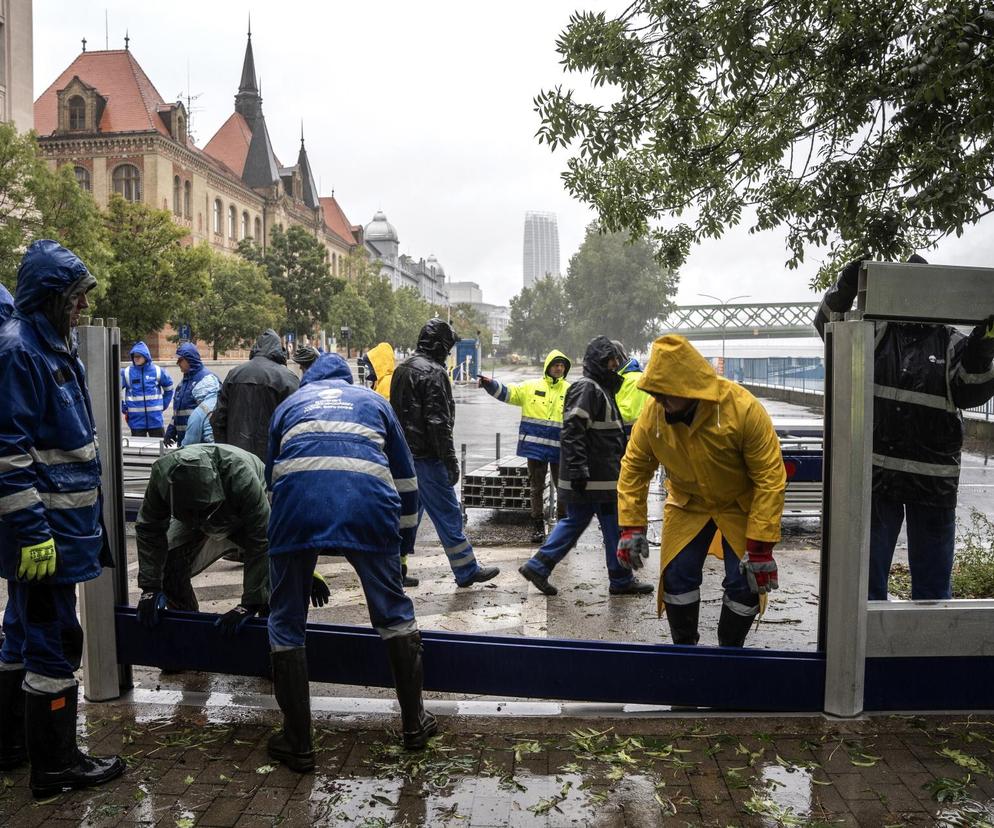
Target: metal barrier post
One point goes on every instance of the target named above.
(849, 453)
(498, 445)
(102, 680)
(462, 482)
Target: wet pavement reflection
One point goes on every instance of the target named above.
(188, 768)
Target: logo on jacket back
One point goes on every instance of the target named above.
(329, 398)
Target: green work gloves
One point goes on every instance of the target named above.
(320, 593)
(37, 561)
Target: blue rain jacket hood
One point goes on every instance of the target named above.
(6, 304)
(631, 365)
(46, 269)
(50, 484)
(141, 349)
(147, 391)
(327, 367)
(189, 352)
(339, 468)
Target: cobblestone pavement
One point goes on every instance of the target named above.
(192, 768)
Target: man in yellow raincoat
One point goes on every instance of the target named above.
(541, 402)
(379, 363)
(725, 474)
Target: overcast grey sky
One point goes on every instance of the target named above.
(421, 109)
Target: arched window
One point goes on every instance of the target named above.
(232, 222)
(218, 217)
(245, 225)
(127, 182)
(176, 192)
(258, 230)
(83, 178)
(77, 112)
(186, 199)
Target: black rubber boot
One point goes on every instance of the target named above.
(538, 530)
(407, 580)
(634, 587)
(733, 628)
(408, 677)
(292, 745)
(13, 750)
(683, 622)
(483, 574)
(541, 582)
(57, 764)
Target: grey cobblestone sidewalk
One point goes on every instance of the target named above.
(189, 768)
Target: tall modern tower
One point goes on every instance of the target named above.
(541, 251)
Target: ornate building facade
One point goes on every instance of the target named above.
(104, 116)
(426, 276)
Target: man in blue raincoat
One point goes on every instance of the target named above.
(148, 390)
(189, 362)
(51, 537)
(343, 483)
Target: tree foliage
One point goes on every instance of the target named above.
(858, 127)
(236, 305)
(37, 202)
(297, 265)
(612, 287)
(410, 314)
(350, 309)
(153, 277)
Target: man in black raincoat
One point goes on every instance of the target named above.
(922, 376)
(249, 396)
(421, 396)
(592, 445)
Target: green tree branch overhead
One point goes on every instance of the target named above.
(854, 127)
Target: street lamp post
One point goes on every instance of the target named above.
(724, 320)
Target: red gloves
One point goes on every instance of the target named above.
(633, 546)
(759, 567)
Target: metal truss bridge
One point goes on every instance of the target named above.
(762, 320)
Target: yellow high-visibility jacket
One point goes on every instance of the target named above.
(726, 466)
(630, 398)
(541, 402)
(382, 360)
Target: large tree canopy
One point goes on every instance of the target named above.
(857, 126)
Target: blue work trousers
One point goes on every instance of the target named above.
(41, 629)
(438, 499)
(931, 543)
(291, 575)
(566, 533)
(684, 575)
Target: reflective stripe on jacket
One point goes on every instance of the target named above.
(341, 474)
(541, 403)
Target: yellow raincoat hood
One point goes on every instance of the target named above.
(382, 360)
(725, 466)
(677, 369)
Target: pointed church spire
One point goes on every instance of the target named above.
(310, 190)
(248, 101)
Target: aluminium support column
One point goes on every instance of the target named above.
(848, 533)
(97, 597)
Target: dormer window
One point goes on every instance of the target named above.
(77, 113)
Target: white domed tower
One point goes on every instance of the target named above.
(383, 236)
(435, 265)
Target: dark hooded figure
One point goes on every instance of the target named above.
(250, 394)
(51, 536)
(421, 396)
(592, 445)
(922, 376)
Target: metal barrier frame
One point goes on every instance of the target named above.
(871, 655)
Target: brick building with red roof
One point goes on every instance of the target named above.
(104, 116)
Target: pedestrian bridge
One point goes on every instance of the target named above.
(764, 320)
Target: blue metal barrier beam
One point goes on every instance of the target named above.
(929, 683)
(595, 671)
